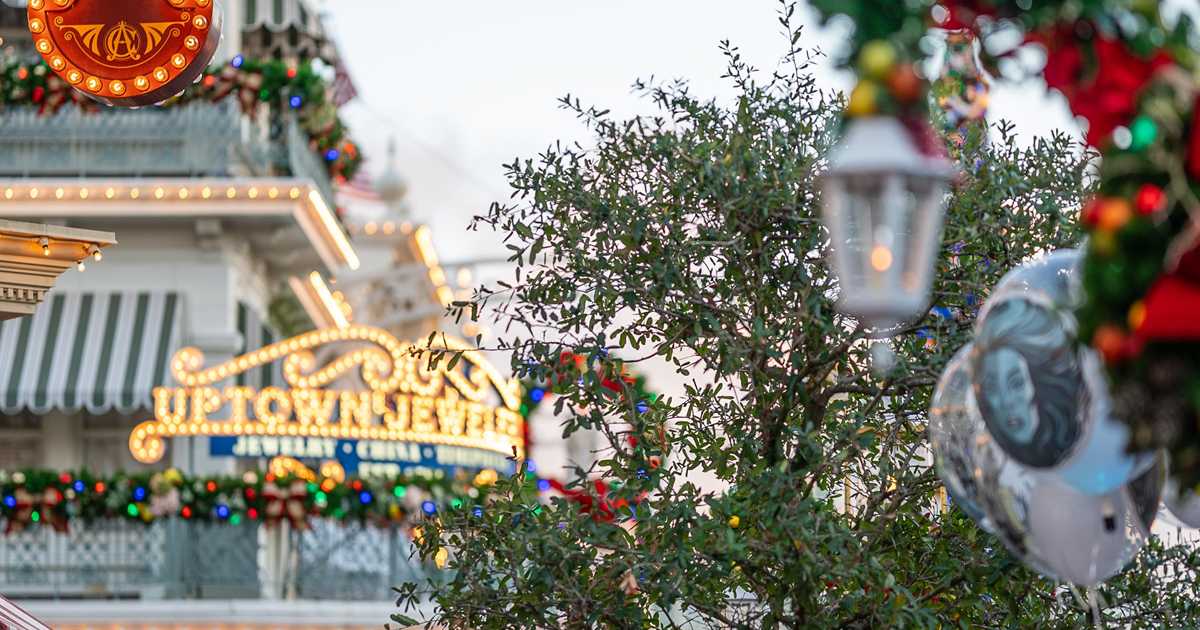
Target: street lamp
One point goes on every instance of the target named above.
(883, 206)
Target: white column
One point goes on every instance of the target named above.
(62, 447)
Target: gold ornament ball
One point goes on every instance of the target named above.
(863, 100)
(877, 59)
(1115, 212)
(1103, 243)
(1137, 315)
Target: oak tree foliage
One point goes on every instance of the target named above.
(693, 236)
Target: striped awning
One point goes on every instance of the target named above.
(13, 617)
(93, 351)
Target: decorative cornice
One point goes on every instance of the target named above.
(33, 256)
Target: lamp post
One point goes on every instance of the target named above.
(883, 205)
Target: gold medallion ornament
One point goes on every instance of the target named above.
(126, 52)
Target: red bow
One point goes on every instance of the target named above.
(1107, 96)
(1173, 301)
(287, 504)
(44, 504)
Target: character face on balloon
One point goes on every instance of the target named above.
(1006, 375)
(1028, 381)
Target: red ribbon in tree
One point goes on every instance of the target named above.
(598, 504)
(595, 504)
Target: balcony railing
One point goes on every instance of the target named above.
(178, 559)
(194, 140)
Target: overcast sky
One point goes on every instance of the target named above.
(466, 86)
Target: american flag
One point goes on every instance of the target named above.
(343, 86)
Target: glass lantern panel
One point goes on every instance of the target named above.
(926, 197)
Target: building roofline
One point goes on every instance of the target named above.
(298, 198)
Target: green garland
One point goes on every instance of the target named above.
(269, 83)
(35, 496)
(32, 497)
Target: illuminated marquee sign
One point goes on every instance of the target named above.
(126, 52)
(408, 413)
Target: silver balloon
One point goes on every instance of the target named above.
(1183, 506)
(1057, 530)
(1027, 378)
(1042, 396)
(1003, 488)
(1086, 539)
(982, 480)
(953, 424)
(1052, 276)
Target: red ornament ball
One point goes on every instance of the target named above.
(1111, 342)
(1150, 200)
(1090, 214)
(905, 84)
